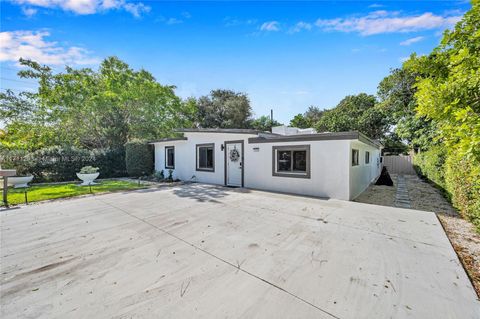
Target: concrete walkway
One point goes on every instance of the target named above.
(401, 197)
(198, 251)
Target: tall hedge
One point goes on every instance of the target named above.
(462, 180)
(431, 164)
(57, 164)
(138, 158)
(458, 176)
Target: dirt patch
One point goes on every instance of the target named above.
(380, 194)
(424, 196)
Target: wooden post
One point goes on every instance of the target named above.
(5, 191)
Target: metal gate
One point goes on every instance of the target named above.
(399, 164)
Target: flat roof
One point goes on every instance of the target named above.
(168, 139)
(353, 135)
(267, 137)
(219, 130)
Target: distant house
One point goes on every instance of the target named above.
(291, 160)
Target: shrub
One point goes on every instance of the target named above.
(462, 179)
(158, 175)
(89, 170)
(56, 164)
(430, 164)
(110, 162)
(457, 176)
(138, 158)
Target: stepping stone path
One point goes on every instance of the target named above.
(401, 198)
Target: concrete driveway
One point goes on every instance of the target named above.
(198, 251)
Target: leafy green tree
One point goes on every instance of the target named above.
(307, 119)
(95, 109)
(396, 93)
(224, 109)
(313, 115)
(263, 123)
(394, 145)
(27, 127)
(355, 113)
(449, 85)
(448, 93)
(299, 121)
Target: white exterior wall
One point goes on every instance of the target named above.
(185, 156)
(332, 175)
(362, 175)
(328, 176)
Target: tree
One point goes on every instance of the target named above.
(224, 109)
(263, 123)
(396, 94)
(448, 93)
(299, 121)
(307, 119)
(449, 85)
(355, 113)
(313, 115)
(94, 109)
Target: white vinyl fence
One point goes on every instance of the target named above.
(399, 164)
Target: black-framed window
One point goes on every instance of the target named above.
(170, 157)
(367, 157)
(291, 161)
(354, 157)
(205, 157)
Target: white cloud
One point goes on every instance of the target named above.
(88, 6)
(387, 22)
(232, 22)
(411, 41)
(136, 9)
(376, 5)
(270, 26)
(29, 12)
(300, 26)
(171, 21)
(32, 45)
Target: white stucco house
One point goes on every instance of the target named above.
(290, 160)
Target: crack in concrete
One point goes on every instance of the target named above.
(221, 259)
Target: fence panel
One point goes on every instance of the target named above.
(399, 164)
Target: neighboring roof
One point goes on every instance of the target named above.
(316, 137)
(219, 130)
(168, 139)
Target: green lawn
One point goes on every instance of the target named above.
(51, 191)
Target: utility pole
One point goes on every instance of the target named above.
(271, 120)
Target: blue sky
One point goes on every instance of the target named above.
(284, 55)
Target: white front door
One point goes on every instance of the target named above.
(234, 163)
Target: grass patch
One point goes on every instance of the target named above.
(51, 191)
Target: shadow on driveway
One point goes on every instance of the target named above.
(205, 193)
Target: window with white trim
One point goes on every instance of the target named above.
(367, 157)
